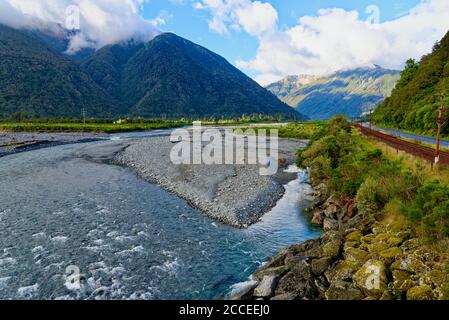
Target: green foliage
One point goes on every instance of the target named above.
(167, 77)
(90, 126)
(414, 102)
(431, 208)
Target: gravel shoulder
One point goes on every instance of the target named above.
(232, 194)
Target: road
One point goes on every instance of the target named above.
(406, 135)
(415, 149)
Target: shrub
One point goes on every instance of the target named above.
(431, 208)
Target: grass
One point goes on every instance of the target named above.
(89, 127)
(302, 131)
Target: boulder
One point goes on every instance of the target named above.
(358, 256)
(299, 281)
(285, 297)
(318, 218)
(278, 272)
(420, 293)
(266, 287)
(344, 270)
(330, 224)
(331, 211)
(355, 236)
(342, 290)
(319, 266)
(372, 278)
(390, 255)
(402, 282)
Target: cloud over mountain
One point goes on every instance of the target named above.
(331, 40)
(94, 23)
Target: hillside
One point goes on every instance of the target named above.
(38, 81)
(351, 92)
(168, 76)
(414, 102)
(175, 77)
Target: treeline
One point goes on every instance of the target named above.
(415, 101)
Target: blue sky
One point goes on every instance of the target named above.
(184, 20)
(266, 39)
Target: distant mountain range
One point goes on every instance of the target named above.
(415, 101)
(351, 92)
(168, 76)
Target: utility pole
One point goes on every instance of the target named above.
(83, 111)
(440, 126)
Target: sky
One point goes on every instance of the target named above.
(267, 39)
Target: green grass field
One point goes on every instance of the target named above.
(89, 127)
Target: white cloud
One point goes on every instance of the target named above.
(255, 17)
(332, 40)
(101, 22)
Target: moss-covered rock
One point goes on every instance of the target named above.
(390, 255)
(358, 256)
(355, 236)
(298, 281)
(343, 290)
(319, 266)
(372, 278)
(410, 264)
(378, 247)
(420, 293)
(402, 282)
(278, 271)
(343, 271)
(351, 244)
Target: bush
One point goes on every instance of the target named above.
(430, 207)
(370, 198)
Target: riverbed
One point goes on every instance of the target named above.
(130, 239)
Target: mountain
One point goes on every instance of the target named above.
(167, 76)
(415, 101)
(349, 92)
(39, 81)
(173, 76)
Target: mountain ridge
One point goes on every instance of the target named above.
(350, 92)
(167, 76)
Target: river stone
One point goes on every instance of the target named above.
(331, 211)
(330, 224)
(344, 270)
(354, 236)
(342, 290)
(402, 281)
(319, 266)
(298, 281)
(285, 297)
(266, 287)
(389, 255)
(317, 218)
(278, 271)
(420, 293)
(291, 261)
(372, 277)
(356, 255)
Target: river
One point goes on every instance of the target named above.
(128, 238)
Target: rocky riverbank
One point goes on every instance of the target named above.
(14, 142)
(359, 257)
(233, 194)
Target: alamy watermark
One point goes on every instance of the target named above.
(226, 147)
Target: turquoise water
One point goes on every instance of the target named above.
(128, 238)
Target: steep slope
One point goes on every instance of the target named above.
(351, 92)
(106, 66)
(414, 102)
(39, 81)
(173, 76)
